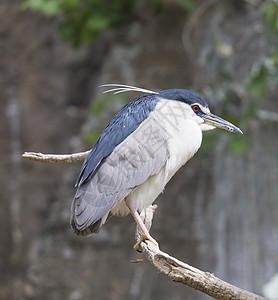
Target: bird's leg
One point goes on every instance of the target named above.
(145, 235)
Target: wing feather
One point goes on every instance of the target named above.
(141, 155)
(115, 132)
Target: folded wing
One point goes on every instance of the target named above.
(140, 155)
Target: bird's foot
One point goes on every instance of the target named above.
(139, 260)
(144, 237)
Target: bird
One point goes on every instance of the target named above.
(137, 153)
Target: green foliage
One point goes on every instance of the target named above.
(269, 11)
(83, 20)
(188, 5)
(99, 107)
(238, 144)
(267, 68)
(260, 73)
(258, 86)
(101, 104)
(210, 141)
(92, 137)
(48, 8)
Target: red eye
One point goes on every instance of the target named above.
(195, 108)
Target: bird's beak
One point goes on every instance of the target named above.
(220, 123)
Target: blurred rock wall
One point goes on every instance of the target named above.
(219, 213)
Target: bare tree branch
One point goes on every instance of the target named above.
(177, 270)
(55, 158)
(181, 272)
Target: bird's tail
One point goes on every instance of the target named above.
(93, 228)
(81, 229)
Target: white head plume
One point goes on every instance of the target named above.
(122, 88)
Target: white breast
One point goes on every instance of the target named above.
(186, 135)
(184, 138)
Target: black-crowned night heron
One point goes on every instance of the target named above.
(137, 153)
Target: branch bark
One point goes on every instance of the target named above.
(176, 270)
(56, 158)
(181, 272)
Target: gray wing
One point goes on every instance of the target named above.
(141, 155)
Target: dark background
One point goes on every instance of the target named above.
(219, 213)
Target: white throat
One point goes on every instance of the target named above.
(185, 133)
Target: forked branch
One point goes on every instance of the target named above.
(181, 272)
(177, 270)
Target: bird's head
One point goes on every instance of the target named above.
(198, 109)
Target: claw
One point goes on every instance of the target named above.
(142, 239)
(139, 260)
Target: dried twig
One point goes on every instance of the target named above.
(55, 158)
(177, 270)
(181, 272)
